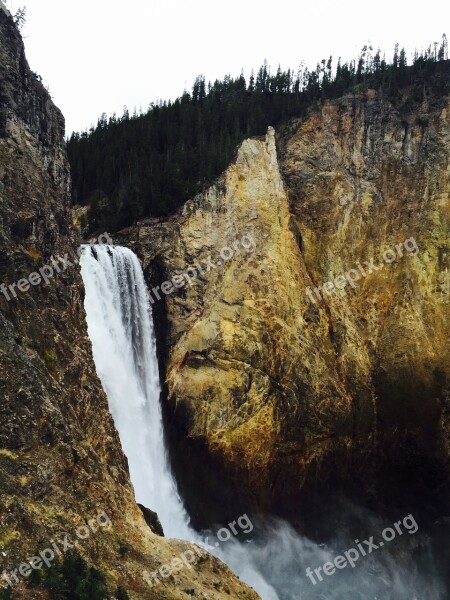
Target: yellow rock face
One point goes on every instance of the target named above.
(275, 391)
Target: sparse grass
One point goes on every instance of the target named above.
(8, 537)
(49, 357)
(8, 454)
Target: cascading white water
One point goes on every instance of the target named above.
(120, 327)
(121, 330)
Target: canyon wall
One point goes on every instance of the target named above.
(61, 462)
(277, 395)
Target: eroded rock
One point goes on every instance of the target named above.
(276, 397)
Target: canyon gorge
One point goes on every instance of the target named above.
(301, 403)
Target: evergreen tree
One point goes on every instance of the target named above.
(150, 164)
(395, 59)
(443, 50)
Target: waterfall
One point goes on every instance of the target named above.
(120, 327)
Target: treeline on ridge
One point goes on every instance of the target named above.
(149, 164)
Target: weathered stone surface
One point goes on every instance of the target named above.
(362, 178)
(60, 457)
(274, 398)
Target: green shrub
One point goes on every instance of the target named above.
(71, 579)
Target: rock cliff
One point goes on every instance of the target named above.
(282, 388)
(61, 463)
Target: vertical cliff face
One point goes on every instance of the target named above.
(277, 393)
(60, 457)
(367, 181)
(244, 374)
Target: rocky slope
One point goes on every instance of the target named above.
(61, 463)
(277, 396)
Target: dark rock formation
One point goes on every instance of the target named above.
(152, 520)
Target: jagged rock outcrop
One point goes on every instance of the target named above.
(277, 395)
(60, 457)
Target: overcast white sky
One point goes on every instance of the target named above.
(97, 56)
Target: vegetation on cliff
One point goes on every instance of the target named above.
(149, 165)
(71, 579)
